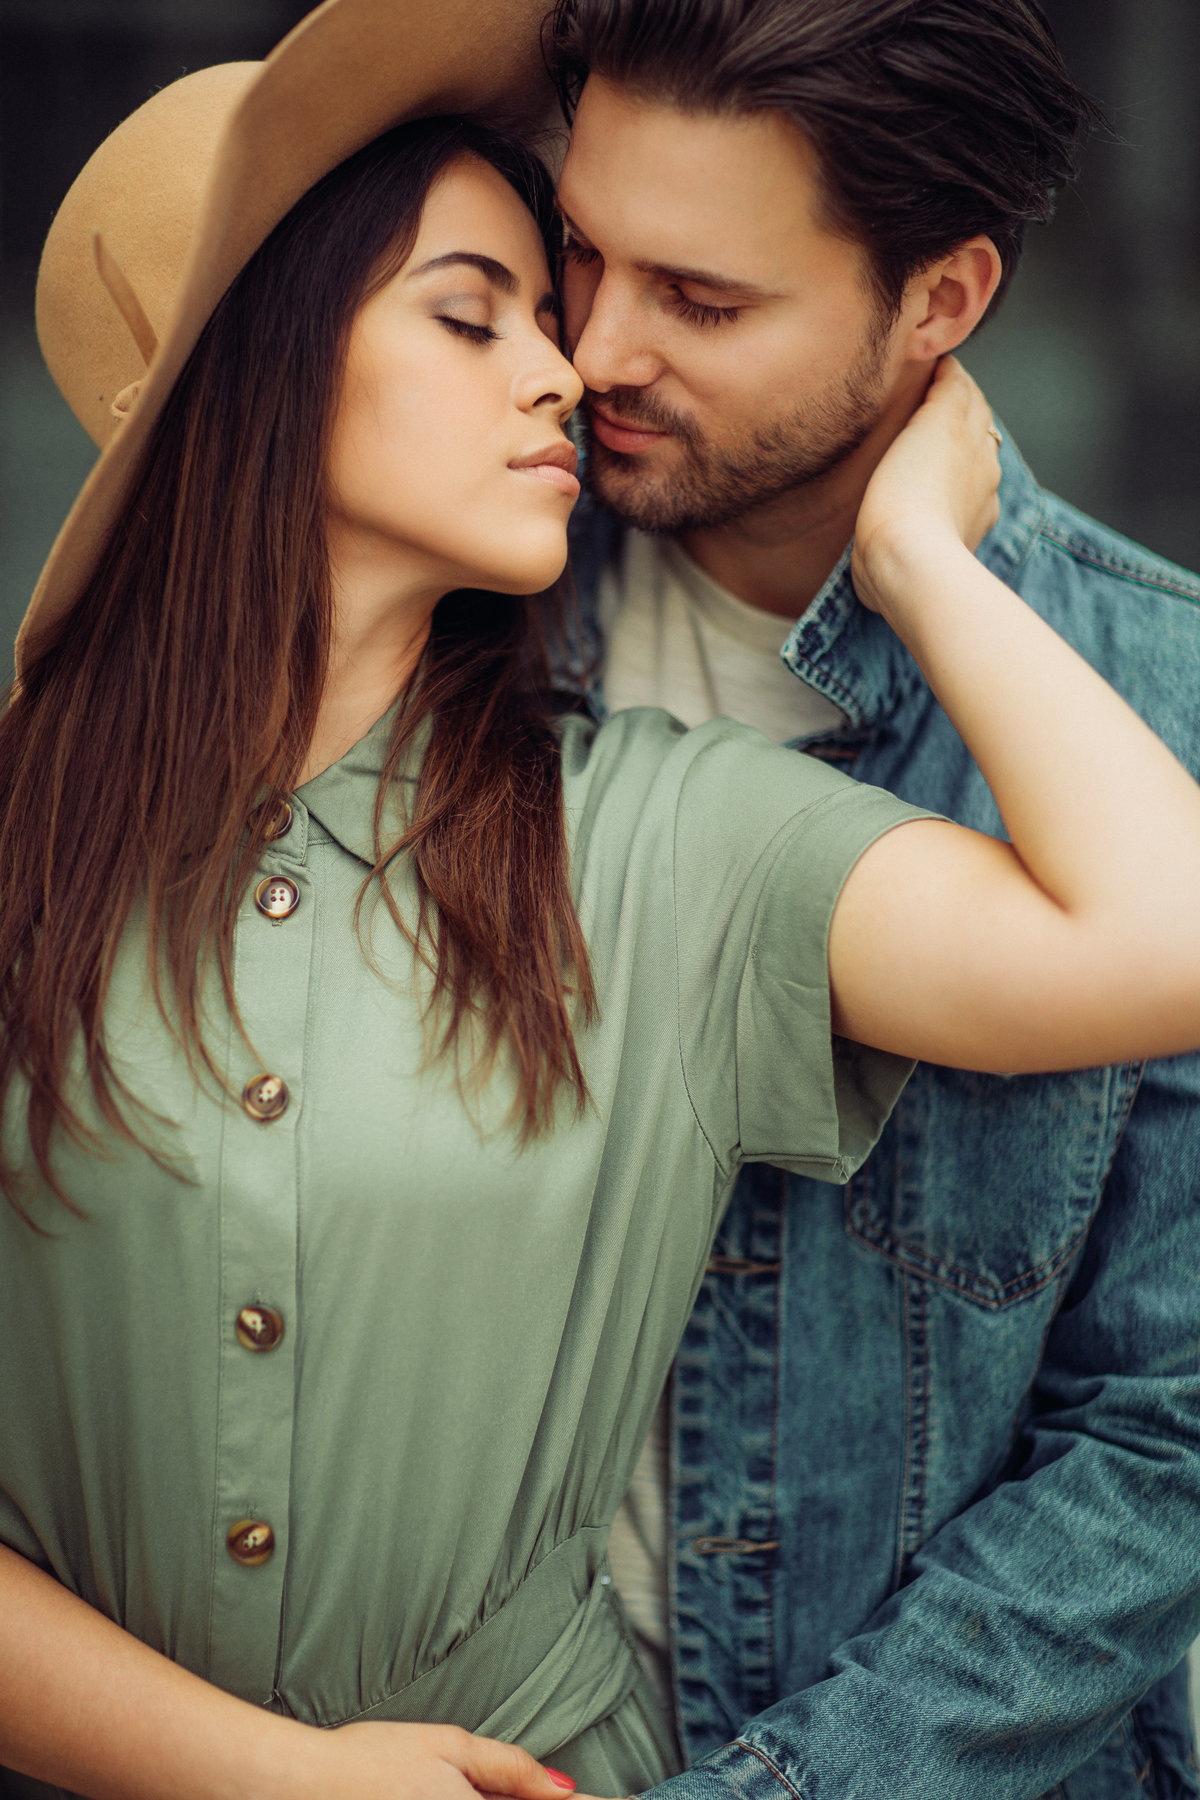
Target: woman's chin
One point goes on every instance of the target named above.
(529, 570)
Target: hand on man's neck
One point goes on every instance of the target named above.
(779, 556)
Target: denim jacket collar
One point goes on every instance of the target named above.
(851, 656)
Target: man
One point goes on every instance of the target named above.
(933, 1525)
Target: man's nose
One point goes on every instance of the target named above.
(609, 343)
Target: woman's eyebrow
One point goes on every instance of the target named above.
(496, 272)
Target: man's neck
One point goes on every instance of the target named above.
(779, 556)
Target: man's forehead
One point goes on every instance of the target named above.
(665, 179)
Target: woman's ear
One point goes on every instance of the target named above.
(946, 301)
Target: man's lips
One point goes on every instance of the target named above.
(628, 439)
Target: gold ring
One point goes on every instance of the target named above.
(998, 436)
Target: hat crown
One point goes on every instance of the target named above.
(142, 191)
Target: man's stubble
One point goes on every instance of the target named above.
(713, 484)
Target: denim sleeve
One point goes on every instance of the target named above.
(1037, 1618)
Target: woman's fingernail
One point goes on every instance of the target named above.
(560, 1780)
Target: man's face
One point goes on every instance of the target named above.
(730, 343)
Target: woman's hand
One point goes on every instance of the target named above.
(86, 1706)
(937, 484)
(378, 1760)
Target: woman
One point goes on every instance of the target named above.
(360, 1196)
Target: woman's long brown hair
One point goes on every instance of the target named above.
(183, 690)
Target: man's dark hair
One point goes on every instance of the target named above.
(934, 120)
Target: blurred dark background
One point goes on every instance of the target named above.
(1093, 363)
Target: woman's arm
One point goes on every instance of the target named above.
(88, 1707)
(1080, 943)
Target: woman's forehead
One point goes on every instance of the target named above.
(472, 211)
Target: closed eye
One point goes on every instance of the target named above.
(475, 334)
(694, 312)
(574, 248)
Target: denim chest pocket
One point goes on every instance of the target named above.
(986, 1184)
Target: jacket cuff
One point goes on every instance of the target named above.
(735, 1772)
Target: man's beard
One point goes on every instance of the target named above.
(714, 485)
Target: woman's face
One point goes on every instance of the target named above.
(448, 463)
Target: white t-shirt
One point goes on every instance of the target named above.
(674, 638)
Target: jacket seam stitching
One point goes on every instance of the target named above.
(911, 1531)
(1137, 574)
(1020, 1287)
(741, 1744)
(898, 1559)
(828, 684)
(1133, 1082)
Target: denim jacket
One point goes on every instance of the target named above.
(936, 1436)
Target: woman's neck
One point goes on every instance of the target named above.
(381, 620)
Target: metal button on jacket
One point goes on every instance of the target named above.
(265, 1097)
(277, 897)
(250, 1542)
(258, 1327)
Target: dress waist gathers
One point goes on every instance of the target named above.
(552, 1661)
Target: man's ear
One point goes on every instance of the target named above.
(946, 301)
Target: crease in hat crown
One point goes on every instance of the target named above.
(178, 198)
(140, 196)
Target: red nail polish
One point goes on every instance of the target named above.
(560, 1780)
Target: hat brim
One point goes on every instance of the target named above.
(349, 71)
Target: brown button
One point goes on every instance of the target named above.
(276, 897)
(265, 1097)
(250, 1542)
(258, 1327)
(277, 822)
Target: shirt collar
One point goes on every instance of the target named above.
(342, 797)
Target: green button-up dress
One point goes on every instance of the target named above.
(473, 1337)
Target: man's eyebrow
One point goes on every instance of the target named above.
(497, 273)
(708, 278)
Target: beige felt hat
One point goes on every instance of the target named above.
(178, 199)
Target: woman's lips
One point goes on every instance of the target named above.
(555, 465)
(624, 438)
(562, 479)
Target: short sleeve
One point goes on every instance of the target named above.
(765, 838)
